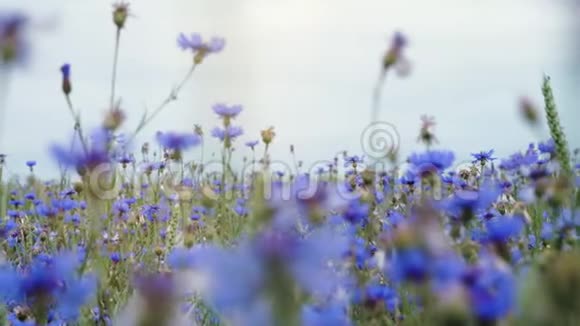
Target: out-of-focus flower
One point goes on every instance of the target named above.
(426, 134)
(178, 141)
(352, 161)
(529, 111)
(492, 292)
(268, 135)
(547, 147)
(333, 314)
(431, 161)
(483, 157)
(120, 14)
(394, 55)
(84, 156)
(12, 43)
(199, 48)
(227, 112)
(229, 133)
(251, 144)
(503, 228)
(49, 281)
(466, 203)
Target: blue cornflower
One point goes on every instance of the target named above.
(330, 315)
(125, 159)
(447, 268)
(492, 293)
(195, 43)
(65, 70)
(568, 220)
(352, 160)
(399, 40)
(394, 55)
(532, 241)
(230, 132)
(225, 111)
(72, 218)
(30, 164)
(52, 278)
(517, 160)
(66, 84)
(240, 207)
(376, 295)
(469, 202)
(199, 48)
(356, 212)
(547, 147)
(181, 258)
(252, 144)
(409, 178)
(483, 157)
(395, 218)
(178, 141)
(431, 161)
(503, 228)
(115, 257)
(410, 264)
(81, 157)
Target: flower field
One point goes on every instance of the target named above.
(138, 234)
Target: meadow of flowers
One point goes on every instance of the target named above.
(147, 237)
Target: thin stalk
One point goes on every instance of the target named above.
(114, 74)
(376, 104)
(170, 98)
(77, 120)
(4, 84)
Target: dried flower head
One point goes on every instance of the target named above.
(268, 135)
(198, 130)
(529, 111)
(426, 134)
(114, 118)
(120, 14)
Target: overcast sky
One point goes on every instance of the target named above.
(306, 67)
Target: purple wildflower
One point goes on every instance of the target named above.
(225, 111)
(12, 46)
(230, 132)
(431, 161)
(178, 141)
(483, 157)
(252, 144)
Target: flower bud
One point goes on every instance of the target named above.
(120, 14)
(528, 111)
(114, 119)
(66, 84)
(197, 130)
(268, 135)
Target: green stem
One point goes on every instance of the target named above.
(114, 74)
(170, 98)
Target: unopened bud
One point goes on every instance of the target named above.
(114, 119)
(120, 14)
(268, 135)
(528, 111)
